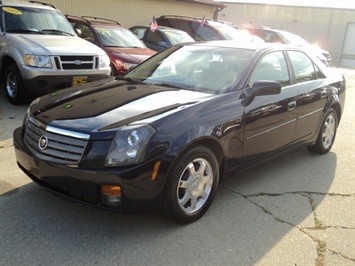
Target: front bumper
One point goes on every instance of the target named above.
(48, 84)
(139, 189)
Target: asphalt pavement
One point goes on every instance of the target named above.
(298, 209)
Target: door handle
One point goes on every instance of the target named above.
(291, 106)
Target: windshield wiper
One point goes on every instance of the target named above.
(174, 86)
(136, 81)
(24, 31)
(116, 46)
(55, 31)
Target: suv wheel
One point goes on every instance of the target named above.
(15, 92)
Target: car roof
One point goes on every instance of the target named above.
(23, 3)
(247, 45)
(259, 28)
(95, 20)
(162, 28)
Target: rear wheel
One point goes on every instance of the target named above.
(192, 185)
(12, 83)
(327, 133)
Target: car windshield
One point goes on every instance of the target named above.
(176, 37)
(35, 21)
(200, 68)
(118, 37)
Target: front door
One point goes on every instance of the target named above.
(270, 120)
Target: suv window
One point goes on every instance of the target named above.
(268, 36)
(85, 31)
(204, 33)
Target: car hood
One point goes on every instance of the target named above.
(108, 104)
(137, 55)
(55, 45)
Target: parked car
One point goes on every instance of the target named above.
(161, 38)
(166, 133)
(201, 29)
(124, 49)
(281, 36)
(40, 52)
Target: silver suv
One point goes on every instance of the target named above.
(40, 52)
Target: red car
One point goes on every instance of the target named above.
(122, 46)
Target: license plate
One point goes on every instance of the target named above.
(76, 81)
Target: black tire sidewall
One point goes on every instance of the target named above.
(318, 147)
(171, 205)
(20, 95)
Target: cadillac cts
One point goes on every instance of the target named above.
(166, 133)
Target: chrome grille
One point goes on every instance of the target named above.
(76, 62)
(61, 148)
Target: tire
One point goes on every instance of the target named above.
(327, 133)
(192, 185)
(13, 85)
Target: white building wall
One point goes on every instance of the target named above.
(131, 12)
(326, 27)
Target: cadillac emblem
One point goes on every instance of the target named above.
(43, 142)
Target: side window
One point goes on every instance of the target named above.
(320, 74)
(85, 31)
(303, 66)
(139, 32)
(155, 37)
(271, 66)
(272, 37)
(204, 33)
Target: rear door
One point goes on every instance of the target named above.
(312, 94)
(270, 120)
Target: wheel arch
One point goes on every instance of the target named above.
(5, 62)
(337, 109)
(209, 143)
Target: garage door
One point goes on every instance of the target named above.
(347, 58)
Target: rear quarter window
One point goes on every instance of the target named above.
(305, 69)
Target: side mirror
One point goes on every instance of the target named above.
(78, 32)
(261, 87)
(265, 87)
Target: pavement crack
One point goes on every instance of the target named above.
(322, 247)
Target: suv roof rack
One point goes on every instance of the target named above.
(88, 18)
(178, 16)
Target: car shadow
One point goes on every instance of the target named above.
(252, 212)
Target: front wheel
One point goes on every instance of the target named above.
(327, 133)
(12, 83)
(192, 185)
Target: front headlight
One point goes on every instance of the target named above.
(129, 145)
(104, 61)
(38, 60)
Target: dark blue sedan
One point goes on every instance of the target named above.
(167, 132)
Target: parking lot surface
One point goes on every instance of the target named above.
(298, 209)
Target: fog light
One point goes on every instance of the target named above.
(111, 196)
